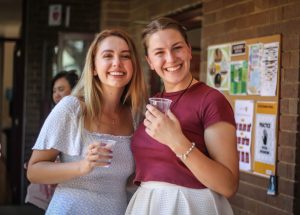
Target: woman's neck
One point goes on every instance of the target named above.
(182, 85)
(111, 101)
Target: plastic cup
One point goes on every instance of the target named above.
(104, 143)
(161, 104)
(109, 144)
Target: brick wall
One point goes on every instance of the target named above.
(226, 21)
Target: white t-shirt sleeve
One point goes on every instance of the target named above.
(61, 130)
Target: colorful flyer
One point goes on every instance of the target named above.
(265, 138)
(243, 112)
(254, 68)
(238, 77)
(218, 65)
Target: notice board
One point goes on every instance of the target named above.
(248, 73)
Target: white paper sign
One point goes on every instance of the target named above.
(265, 138)
(55, 15)
(243, 112)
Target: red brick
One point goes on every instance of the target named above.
(286, 170)
(209, 19)
(235, 11)
(287, 154)
(287, 138)
(212, 5)
(289, 106)
(290, 42)
(291, 11)
(289, 90)
(288, 122)
(290, 75)
(286, 187)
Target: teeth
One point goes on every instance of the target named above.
(172, 69)
(117, 73)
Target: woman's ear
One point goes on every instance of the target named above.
(149, 62)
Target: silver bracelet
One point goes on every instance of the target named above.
(185, 155)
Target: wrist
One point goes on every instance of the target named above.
(183, 147)
(184, 155)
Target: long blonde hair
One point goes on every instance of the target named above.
(89, 88)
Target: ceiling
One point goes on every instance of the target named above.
(10, 18)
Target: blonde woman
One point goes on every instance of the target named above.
(109, 95)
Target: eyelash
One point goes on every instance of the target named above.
(175, 48)
(122, 56)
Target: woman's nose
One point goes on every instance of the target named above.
(170, 57)
(116, 62)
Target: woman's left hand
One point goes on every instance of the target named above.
(165, 128)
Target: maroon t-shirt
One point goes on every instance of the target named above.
(199, 107)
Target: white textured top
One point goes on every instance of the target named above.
(103, 191)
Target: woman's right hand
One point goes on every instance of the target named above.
(97, 155)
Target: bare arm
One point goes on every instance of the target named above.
(43, 169)
(218, 172)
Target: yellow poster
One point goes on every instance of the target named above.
(265, 138)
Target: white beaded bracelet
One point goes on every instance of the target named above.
(185, 155)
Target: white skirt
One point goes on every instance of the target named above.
(160, 198)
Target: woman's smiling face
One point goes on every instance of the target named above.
(169, 55)
(113, 64)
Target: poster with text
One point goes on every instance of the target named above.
(243, 112)
(254, 68)
(238, 77)
(265, 138)
(270, 69)
(218, 62)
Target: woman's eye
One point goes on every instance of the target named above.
(177, 47)
(107, 56)
(126, 56)
(158, 53)
(61, 89)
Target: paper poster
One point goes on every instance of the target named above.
(218, 62)
(55, 15)
(265, 138)
(254, 68)
(243, 113)
(238, 77)
(270, 69)
(238, 49)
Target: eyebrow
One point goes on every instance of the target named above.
(109, 50)
(175, 44)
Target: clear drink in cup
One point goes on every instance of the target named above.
(104, 143)
(161, 104)
(109, 144)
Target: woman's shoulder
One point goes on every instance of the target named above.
(203, 89)
(205, 93)
(70, 103)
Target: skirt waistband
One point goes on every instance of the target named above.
(160, 184)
